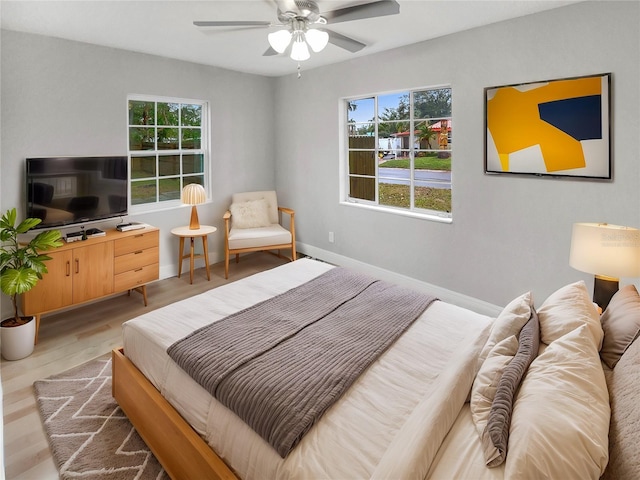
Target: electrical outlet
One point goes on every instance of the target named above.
(331, 237)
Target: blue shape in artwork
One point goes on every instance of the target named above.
(580, 117)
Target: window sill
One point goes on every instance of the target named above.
(159, 207)
(401, 212)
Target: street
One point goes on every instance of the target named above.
(423, 178)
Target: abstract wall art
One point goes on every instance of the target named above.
(555, 127)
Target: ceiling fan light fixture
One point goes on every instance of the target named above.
(317, 39)
(279, 40)
(299, 49)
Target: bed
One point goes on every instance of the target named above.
(418, 411)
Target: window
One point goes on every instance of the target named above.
(167, 149)
(399, 151)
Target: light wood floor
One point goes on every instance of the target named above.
(75, 336)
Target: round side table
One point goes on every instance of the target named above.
(186, 232)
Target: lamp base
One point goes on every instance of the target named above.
(194, 224)
(603, 289)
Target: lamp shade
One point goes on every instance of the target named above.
(299, 49)
(605, 250)
(193, 194)
(317, 39)
(279, 40)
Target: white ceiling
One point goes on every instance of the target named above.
(165, 28)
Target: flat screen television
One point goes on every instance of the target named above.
(69, 190)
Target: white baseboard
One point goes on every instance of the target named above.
(443, 294)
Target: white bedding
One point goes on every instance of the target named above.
(460, 455)
(390, 424)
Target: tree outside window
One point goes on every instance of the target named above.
(167, 148)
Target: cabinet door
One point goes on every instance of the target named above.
(92, 271)
(55, 289)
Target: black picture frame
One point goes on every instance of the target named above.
(556, 128)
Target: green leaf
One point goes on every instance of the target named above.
(6, 234)
(46, 240)
(27, 224)
(8, 219)
(18, 281)
(21, 266)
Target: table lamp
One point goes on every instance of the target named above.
(607, 251)
(194, 194)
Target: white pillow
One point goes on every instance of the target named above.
(510, 321)
(560, 423)
(250, 214)
(567, 309)
(487, 379)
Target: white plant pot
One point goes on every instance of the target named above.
(18, 342)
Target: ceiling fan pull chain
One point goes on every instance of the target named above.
(299, 73)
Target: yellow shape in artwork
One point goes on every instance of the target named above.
(514, 122)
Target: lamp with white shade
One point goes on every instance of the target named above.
(194, 194)
(607, 251)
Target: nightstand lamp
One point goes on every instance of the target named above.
(607, 251)
(194, 194)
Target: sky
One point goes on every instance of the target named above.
(364, 111)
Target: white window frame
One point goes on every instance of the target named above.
(344, 184)
(204, 150)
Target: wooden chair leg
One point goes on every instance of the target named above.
(237, 258)
(226, 264)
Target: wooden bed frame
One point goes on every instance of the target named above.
(178, 447)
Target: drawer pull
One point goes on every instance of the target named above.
(77, 265)
(68, 269)
(138, 270)
(138, 252)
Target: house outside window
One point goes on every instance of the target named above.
(168, 149)
(398, 152)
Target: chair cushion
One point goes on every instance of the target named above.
(250, 214)
(268, 196)
(274, 234)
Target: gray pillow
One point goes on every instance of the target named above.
(624, 432)
(620, 323)
(496, 434)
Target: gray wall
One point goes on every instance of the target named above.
(509, 234)
(68, 98)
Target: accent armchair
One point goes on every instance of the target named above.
(253, 223)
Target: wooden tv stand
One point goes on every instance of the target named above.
(90, 269)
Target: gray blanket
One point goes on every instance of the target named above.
(280, 364)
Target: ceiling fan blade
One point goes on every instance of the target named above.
(270, 52)
(232, 23)
(286, 5)
(342, 41)
(378, 8)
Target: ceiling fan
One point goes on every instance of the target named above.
(302, 25)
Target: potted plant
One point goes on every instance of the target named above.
(21, 266)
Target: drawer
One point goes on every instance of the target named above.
(134, 260)
(136, 278)
(135, 242)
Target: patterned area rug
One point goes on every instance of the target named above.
(89, 435)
